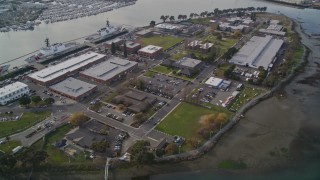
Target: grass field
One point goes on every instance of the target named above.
(162, 69)
(27, 120)
(179, 56)
(223, 45)
(165, 42)
(8, 146)
(297, 55)
(149, 74)
(220, 71)
(245, 96)
(184, 120)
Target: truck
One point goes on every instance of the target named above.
(16, 149)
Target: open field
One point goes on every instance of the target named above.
(245, 96)
(222, 45)
(162, 69)
(184, 120)
(179, 55)
(149, 73)
(8, 146)
(220, 70)
(169, 71)
(165, 42)
(28, 119)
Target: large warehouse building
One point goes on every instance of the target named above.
(12, 92)
(259, 51)
(59, 72)
(73, 88)
(109, 70)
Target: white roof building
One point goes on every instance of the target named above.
(150, 49)
(53, 72)
(12, 92)
(214, 82)
(259, 51)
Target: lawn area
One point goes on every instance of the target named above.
(149, 74)
(223, 45)
(28, 119)
(297, 55)
(162, 69)
(56, 156)
(179, 56)
(165, 42)
(245, 96)
(220, 70)
(8, 146)
(203, 21)
(184, 120)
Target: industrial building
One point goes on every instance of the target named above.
(258, 52)
(199, 46)
(132, 47)
(274, 28)
(73, 88)
(59, 72)
(144, 33)
(218, 83)
(110, 70)
(188, 66)
(117, 42)
(12, 92)
(150, 51)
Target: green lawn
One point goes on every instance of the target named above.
(203, 21)
(8, 146)
(184, 120)
(179, 56)
(149, 74)
(245, 96)
(220, 70)
(165, 42)
(223, 45)
(28, 119)
(162, 69)
(56, 156)
(297, 55)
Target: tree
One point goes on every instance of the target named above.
(49, 101)
(78, 119)
(99, 146)
(24, 100)
(193, 142)
(113, 48)
(172, 149)
(164, 18)
(160, 152)
(219, 36)
(140, 153)
(152, 23)
(221, 119)
(7, 164)
(36, 99)
(125, 53)
(139, 117)
(209, 119)
(39, 156)
(171, 18)
(237, 34)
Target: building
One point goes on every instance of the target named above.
(188, 66)
(116, 41)
(132, 47)
(136, 101)
(12, 92)
(259, 51)
(144, 33)
(84, 137)
(150, 51)
(166, 27)
(59, 72)
(110, 70)
(274, 28)
(218, 83)
(199, 46)
(73, 88)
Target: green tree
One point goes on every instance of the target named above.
(24, 100)
(125, 53)
(78, 119)
(113, 48)
(152, 23)
(49, 101)
(140, 153)
(7, 164)
(36, 99)
(172, 149)
(99, 146)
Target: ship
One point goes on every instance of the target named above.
(106, 33)
(54, 51)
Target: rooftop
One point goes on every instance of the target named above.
(188, 62)
(117, 40)
(150, 49)
(70, 65)
(144, 32)
(73, 87)
(109, 68)
(213, 81)
(167, 26)
(131, 44)
(259, 51)
(11, 88)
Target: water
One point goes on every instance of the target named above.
(16, 44)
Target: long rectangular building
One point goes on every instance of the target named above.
(59, 72)
(259, 51)
(109, 70)
(73, 88)
(12, 92)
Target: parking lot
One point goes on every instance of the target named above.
(164, 86)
